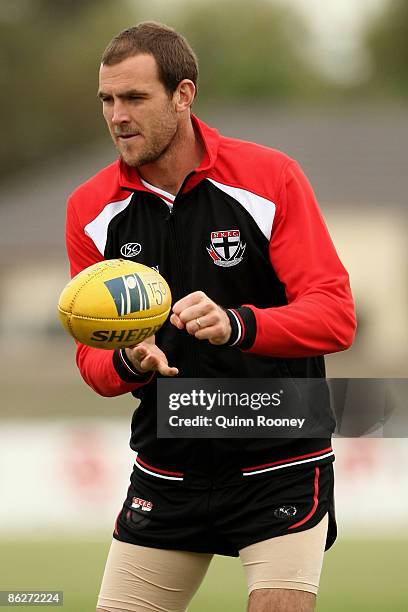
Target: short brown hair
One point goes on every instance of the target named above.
(174, 57)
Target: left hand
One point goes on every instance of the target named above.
(202, 318)
(148, 357)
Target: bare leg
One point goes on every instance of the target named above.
(281, 600)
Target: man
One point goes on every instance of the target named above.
(259, 292)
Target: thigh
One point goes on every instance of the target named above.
(281, 600)
(293, 561)
(139, 578)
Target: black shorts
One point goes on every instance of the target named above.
(168, 514)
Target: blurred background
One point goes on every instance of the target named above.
(326, 82)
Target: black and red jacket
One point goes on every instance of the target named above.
(245, 228)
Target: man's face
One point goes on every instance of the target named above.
(137, 108)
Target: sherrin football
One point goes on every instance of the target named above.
(114, 304)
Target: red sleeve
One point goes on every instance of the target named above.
(319, 317)
(97, 366)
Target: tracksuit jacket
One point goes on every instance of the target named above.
(245, 228)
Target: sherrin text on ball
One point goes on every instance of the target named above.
(114, 304)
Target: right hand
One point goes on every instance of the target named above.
(147, 357)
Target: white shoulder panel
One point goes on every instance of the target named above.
(261, 210)
(97, 230)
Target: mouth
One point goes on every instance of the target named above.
(127, 137)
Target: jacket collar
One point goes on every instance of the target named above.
(129, 178)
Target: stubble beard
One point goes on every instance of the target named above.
(162, 135)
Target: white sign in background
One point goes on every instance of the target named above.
(73, 476)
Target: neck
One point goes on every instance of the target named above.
(182, 157)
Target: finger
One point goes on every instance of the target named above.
(202, 322)
(140, 349)
(140, 352)
(166, 370)
(189, 300)
(197, 311)
(215, 334)
(155, 363)
(136, 354)
(142, 346)
(176, 321)
(149, 363)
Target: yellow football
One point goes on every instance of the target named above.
(114, 304)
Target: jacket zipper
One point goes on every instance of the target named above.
(190, 355)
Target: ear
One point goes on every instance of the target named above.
(184, 95)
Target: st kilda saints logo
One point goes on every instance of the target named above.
(144, 504)
(138, 515)
(128, 293)
(226, 248)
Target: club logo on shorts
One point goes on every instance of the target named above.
(128, 293)
(144, 504)
(226, 248)
(285, 512)
(130, 249)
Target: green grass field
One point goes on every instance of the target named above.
(363, 576)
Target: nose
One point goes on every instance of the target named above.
(120, 114)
